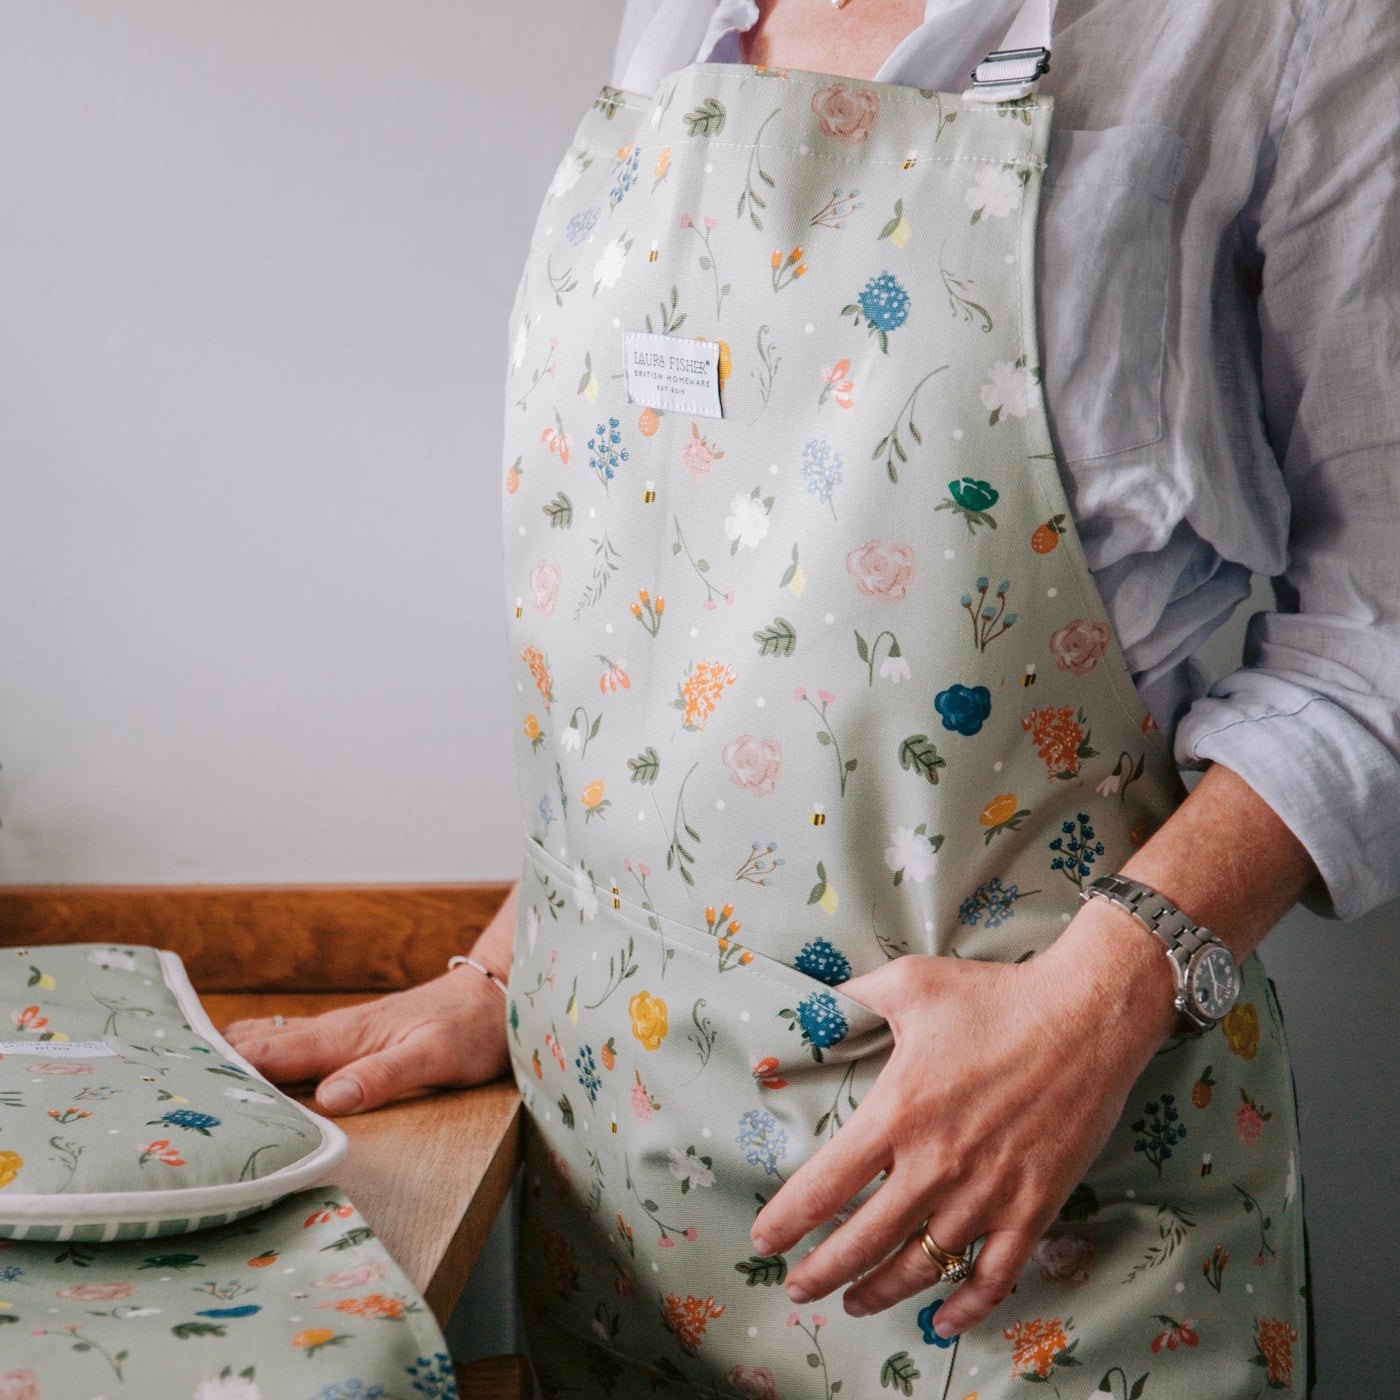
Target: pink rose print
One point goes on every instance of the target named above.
(882, 571)
(1079, 646)
(755, 765)
(356, 1276)
(1066, 1259)
(848, 114)
(753, 1382)
(96, 1292)
(641, 1103)
(19, 1385)
(560, 1177)
(60, 1067)
(544, 587)
(1250, 1120)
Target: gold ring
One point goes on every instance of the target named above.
(952, 1268)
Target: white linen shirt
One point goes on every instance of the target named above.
(1220, 332)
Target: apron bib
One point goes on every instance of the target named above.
(811, 674)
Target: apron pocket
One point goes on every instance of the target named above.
(1104, 268)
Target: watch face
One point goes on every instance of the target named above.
(1214, 982)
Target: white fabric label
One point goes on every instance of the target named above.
(673, 372)
(57, 1049)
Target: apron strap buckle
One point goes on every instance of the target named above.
(1007, 74)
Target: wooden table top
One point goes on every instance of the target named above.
(429, 1173)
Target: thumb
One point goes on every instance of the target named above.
(421, 1060)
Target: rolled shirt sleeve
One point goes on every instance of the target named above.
(1312, 719)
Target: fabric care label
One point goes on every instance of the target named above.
(672, 372)
(57, 1049)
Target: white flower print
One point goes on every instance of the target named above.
(566, 177)
(585, 900)
(227, 1388)
(609, 267)
(911, 853)
(747, 521)
(113, 958)
(1008, 389)
(570, 739)
(894, 669)
(689, 1168)
(1109, 785)
(532, 928)
(997, 192)
(248, 1096)
(517, 346)
(1290, 1185)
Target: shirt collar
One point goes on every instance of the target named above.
(730, 17)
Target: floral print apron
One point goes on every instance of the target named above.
(809, 685)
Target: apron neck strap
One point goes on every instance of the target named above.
(1013, 70)
(671, 40)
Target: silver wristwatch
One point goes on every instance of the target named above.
(1207, 976)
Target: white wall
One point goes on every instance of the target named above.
(255, 261)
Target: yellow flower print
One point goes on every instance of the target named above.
(593, 793)
(314, 1338)
(1001, 814)
(532, 727)
(726, 362)
(648, 1020)
(10, 1163)
(701, 689)
(663, 163)
(1241, 1029)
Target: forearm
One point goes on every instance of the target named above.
(1226, 860)
(493, 944)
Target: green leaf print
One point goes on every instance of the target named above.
(186, 1330)
(763, 1269)
(608, 101)
(560, 512)
(779, 638)
(899, 1372)
(349, 1239)
(919, 754)
(751, 200)
(890, 445)
(645, 767)
(707, 119)
(566, 1111)
(960, 304)
(670, 322)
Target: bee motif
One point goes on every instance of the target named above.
(819, 815)
(616, 901)
(653, 254)
(649, 495)
(1028, 679)
(519, 607)
(1204, 1168)
(908, 164)
(614, 1122)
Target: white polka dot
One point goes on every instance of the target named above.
(1064, 918)
(547, 232)
(519, 685)
(928, 925)
(997, 766)
(290, 1270)
(655, 1267)
(911, 154)
(719, 805)
(704, 1132)
(694, 631)
(607, 627)
(753, 1331)
(585, 1127)
(1130, 1194)
(973, 1370)
(539, 316)
(1010, 259)
(145, 981)
(547, 1116)
(595, 955)
(802, 150)
(760, 702)
(957, 434)
(165, 1278)
(592, 511)
(743, 1015)
(641, 816)
(1180, 1287)
(809, 328)
(830, 618)
(522, 529)
(1052, 592)
(1249, 1288)
(616, 321)
(950, 554)
(773, 468)
(709, 167)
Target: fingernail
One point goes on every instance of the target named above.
(763, 1245)
(856, 1309)
(944, 1329)
(340, 1096)
(798, 1294)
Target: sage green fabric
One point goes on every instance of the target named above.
(123, 1114)
(816, 684)
(301, 1302)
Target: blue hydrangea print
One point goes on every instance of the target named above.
(964, 709)
(626, 178)
(821, 470)
(763, 1142)
(884, 304)
(1160, 1130)
(824, 961)
(1076, 850)
(351, 1390)
(588, 1074)
(432, 1378)
(992, 901)
(580, 225)
(188, 1119)
(821, 1020)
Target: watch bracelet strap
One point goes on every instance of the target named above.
(1160, 916)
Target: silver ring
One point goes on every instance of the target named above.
(279, 1020)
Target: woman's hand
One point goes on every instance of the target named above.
(1004, 1083)
(447, 1033)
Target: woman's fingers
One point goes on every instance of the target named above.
(305, 1048)
(423, 1059)
(910, 1271)
(994, 1275)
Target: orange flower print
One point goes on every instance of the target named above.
(648, 1020)
(314, 1338)
(370, 1305)
(556, 439)
(702, 687)
(28, 1020)
(1035, 1345)
(539, 669)
(1275, 1339)
(593, 794)
(687, 1318)
(1178, 1334)
(663, 163)
(1059, 739)
(1241, 1028)
(615, 677)
(836, 381)
(1001, 814)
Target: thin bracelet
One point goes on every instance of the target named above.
(462, 961)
